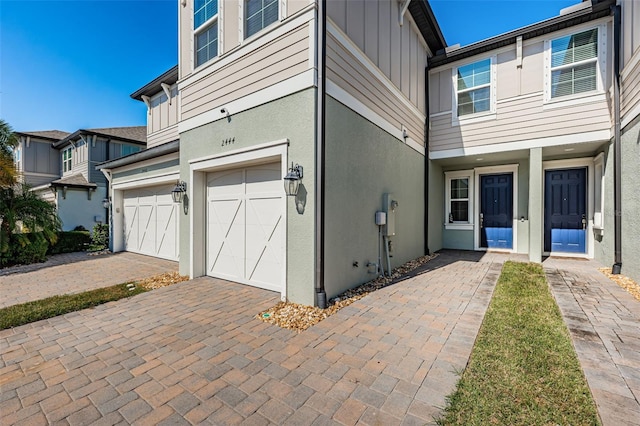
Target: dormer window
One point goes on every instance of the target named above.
(574, 63)
(205, 24)
(259, 14)
(66, 159)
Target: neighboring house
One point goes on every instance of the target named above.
(61, 167)
(262, 85)
(144, 217)
(522, 130)
(36, 160)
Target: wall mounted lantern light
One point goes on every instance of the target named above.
(178, 192)
(292, 180)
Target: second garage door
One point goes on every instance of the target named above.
(245, 226)
(151, 222)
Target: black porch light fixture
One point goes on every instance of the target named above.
(292, 180)
(177, 194)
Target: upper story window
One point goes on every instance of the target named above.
(66, 159)
(473, 89)
(574, 64)
(259, 14)
(205, 24)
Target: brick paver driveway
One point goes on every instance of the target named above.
(74, 273)
(194, 353)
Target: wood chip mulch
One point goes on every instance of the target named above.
(298, 317)
(162, 280)
(625, 282)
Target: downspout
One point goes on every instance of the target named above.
(617, 155)
(426, 162)
(321, 295)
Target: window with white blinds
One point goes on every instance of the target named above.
(473, 87)
(203, 10)
(574, 63)
(259, 14)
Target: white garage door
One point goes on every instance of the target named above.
(151, 222)
(245, 226)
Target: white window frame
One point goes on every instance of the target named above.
(69, 152)
(478, 116)
(201, 29)
(282, 7)
(600, 60)
(450, 176)
(598, 194)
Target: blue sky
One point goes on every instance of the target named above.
(69, 65)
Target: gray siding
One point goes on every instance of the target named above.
(162, 119)
(40, 157)
(355, 78)
(398, 51)
(518, 120)
(271, 63)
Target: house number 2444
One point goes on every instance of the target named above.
(228, 141)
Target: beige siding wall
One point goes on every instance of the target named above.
(521, 112)
(355, 78)
(630, 90)
(398, 51)
(273, 62)
(520, 119)
(162, 119)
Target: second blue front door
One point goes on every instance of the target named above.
(496, 211)
(565, 210)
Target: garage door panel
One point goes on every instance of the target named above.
(151, 222)
(245, 219)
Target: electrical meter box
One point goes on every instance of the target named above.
(390, 205)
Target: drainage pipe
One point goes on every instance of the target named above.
(617, 155)
(321, 295)
(426, 162)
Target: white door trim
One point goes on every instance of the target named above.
(490, 170)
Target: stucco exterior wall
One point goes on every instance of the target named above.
(291, 118)
(363, 162)
(76, 209)
(631, 200)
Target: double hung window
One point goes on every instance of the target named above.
(473, 87)
(205, 24)
(259, 14)
(574, 63)
(66, 160)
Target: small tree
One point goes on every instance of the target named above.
(8, 141)
(20, 205)
(100, 237)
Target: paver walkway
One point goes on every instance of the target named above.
(194, 353)
(604, 322)
(74, 273)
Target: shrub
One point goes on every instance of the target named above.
(100, 237)
(21, 252)
(71, 241)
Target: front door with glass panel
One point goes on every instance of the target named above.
(496, 211)
(565, 211)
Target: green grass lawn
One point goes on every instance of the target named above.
(523, 369)
(25, 313)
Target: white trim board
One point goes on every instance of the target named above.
(345, 98)
(279, 90)
(144, 163)
(147, 181)
(596, 136)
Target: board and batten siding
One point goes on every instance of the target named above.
(517, 120)
(162, 119)
(397, 51)
(271, 63)
(356, 79)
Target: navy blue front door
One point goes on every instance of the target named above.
(496, 211)
(565, 210)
